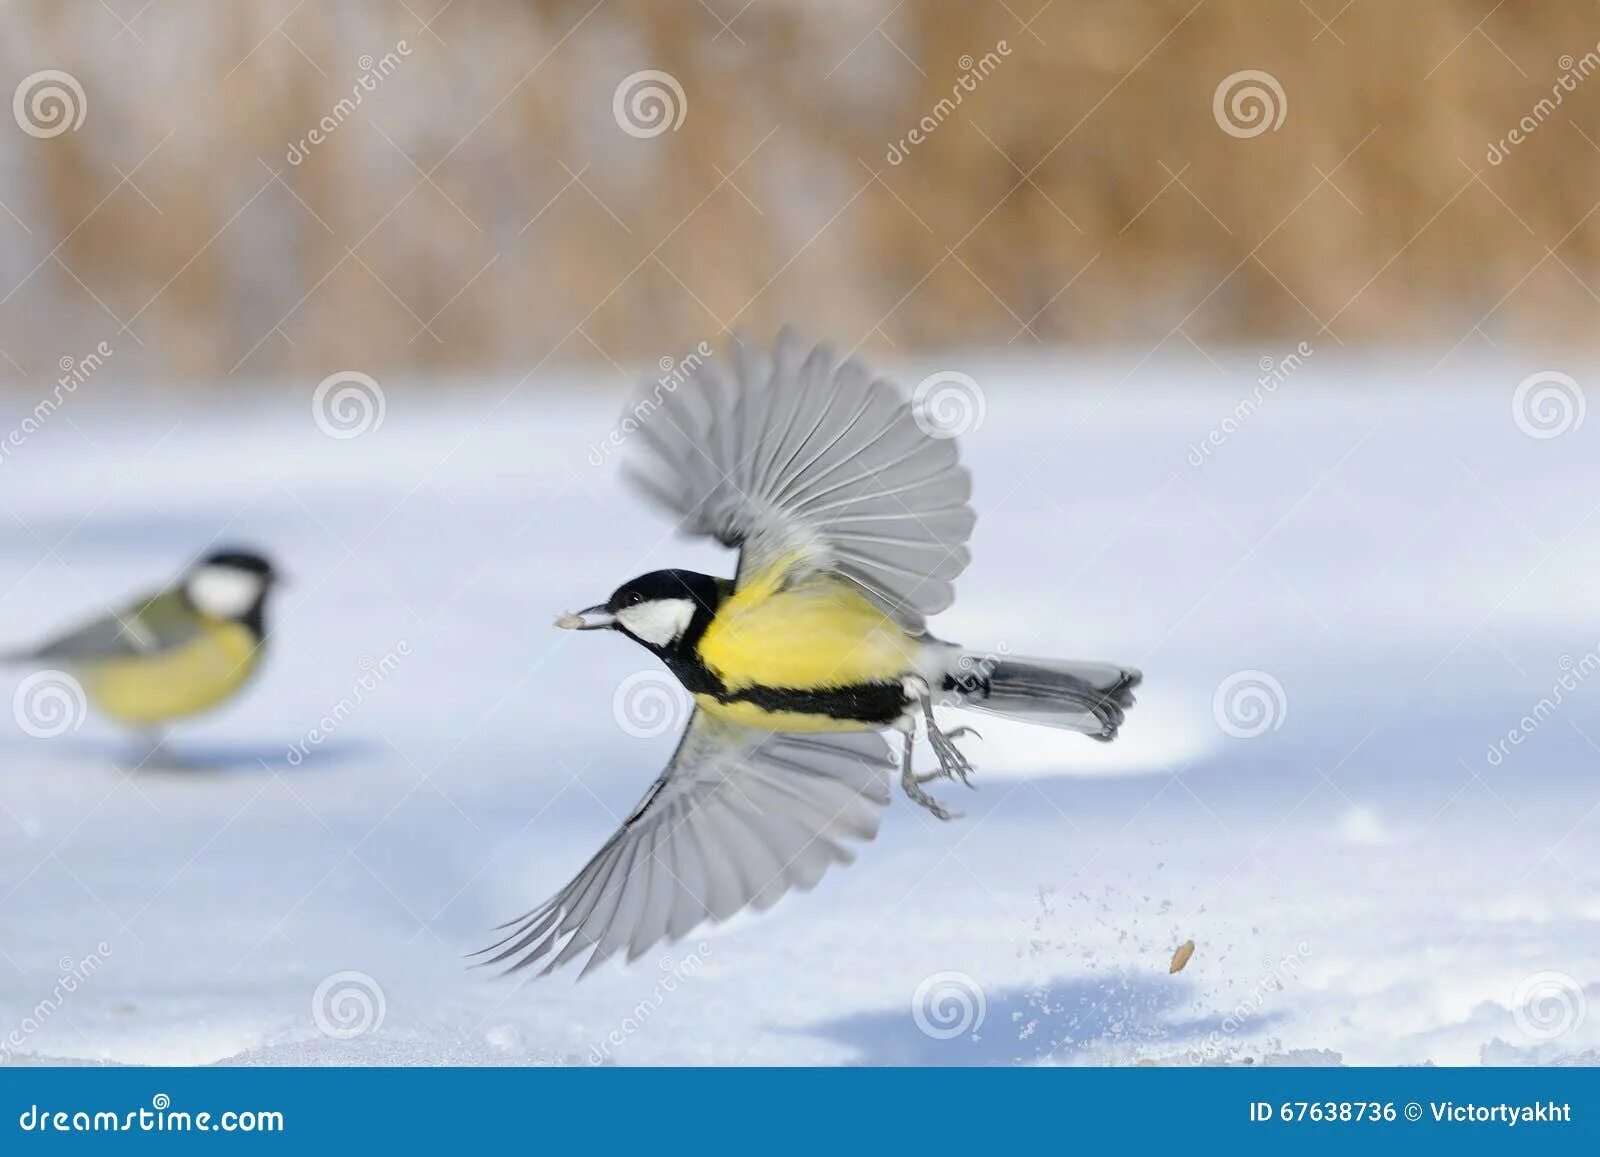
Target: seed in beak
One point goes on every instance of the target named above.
(581, 621)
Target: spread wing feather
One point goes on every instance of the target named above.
(147, 626)
(738, 818)
(813, 464)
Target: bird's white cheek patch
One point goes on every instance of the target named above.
(224, 591)
(658, 622)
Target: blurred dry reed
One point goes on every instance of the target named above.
(482, 209)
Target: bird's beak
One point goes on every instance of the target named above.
(582, 620)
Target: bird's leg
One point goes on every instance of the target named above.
(146, 751)
(910, 781)
(952, 763)
(151, 743)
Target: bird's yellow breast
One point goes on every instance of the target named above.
(815, 634)
(143, 690)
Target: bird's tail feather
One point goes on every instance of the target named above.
(1089, 697)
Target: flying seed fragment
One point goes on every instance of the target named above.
(1181, 956)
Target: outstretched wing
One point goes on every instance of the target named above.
(812, 465)
(147, 626)
(738, 818)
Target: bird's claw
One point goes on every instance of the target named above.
(952, 764)
(909, 783)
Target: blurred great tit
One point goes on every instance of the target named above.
(174, 653)
(850, 516)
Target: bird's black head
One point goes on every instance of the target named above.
(664, 610)
(249, 561)
(230, 584)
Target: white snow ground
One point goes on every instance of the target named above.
(1363, 884)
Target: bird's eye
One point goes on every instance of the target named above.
(635, 598)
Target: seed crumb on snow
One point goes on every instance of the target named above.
(1181, 956)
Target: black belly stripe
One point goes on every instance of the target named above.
(880, 703)
(876, 703)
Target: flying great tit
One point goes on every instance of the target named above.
(851, 522)
(174, 653)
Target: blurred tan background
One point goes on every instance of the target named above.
(484, 206)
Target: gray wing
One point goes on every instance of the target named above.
(146, 626)
(738, 818)
(815, 465)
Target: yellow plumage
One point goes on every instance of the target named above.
(146, 690)
(813, 634)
